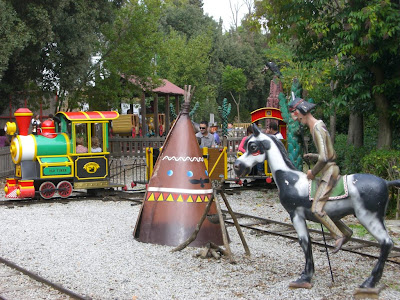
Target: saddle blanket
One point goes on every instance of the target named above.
(339, 191)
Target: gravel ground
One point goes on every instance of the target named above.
(88, 247)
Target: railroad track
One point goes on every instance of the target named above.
(257, 224)
(106, 196)
(19, 283)
(266, 226)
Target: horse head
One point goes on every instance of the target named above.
(257, 146)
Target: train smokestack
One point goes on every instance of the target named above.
(23, 118)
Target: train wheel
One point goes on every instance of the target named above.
(64, 189)
(47, 190)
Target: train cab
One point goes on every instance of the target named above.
(88, 148)
(51, 162)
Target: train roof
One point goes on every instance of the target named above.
(266, 113)
(90, 115)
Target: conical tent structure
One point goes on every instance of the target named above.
(178, 192)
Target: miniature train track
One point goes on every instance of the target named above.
(17, 282)
(267, 226)
(257, 224)
(111, 196)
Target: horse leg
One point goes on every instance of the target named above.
(377, 228)
(304, 281)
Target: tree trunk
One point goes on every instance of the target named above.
(333, 117)
(238, 109)
(237, 106)
(332, 127)
(382, 108)
(355, 135)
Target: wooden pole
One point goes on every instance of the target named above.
(223, 229)
(235, 221)
(143, 113)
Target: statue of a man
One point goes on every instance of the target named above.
(300, 110)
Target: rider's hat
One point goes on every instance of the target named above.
(302, 105)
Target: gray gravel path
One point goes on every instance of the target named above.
(88, 247)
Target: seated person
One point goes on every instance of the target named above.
(206, 139)
(80, 148)
(249, 131)
(96, 144)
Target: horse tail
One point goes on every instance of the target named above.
(393, 183)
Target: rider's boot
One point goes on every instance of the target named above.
(345, 230)
(335, 232)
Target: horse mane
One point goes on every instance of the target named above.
(283, 151)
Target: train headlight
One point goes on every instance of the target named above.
(18, 192)
(6, 189)
(10, 128)
(13, 150)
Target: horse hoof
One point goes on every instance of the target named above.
(366, 293)
(300, 285)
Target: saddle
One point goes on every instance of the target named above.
(339, 191)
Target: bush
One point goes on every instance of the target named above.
(382, 163)
(385, 164)
(348, 157)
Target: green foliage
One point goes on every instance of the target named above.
(382, 163)
(233, 80)
(385, 164)
(361, 41)
(57, 41)
(349, 158)
(172, 111)
(186, 61)
(191, 113)
(245, 50)
(13, 34)
(132, 42)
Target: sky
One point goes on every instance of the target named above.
(221, 8)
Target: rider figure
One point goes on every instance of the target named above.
(300, 111)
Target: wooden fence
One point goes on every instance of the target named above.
(6, 163)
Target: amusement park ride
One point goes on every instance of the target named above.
(180, 192)
(48, 162)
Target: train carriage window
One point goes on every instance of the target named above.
(81, 136)
(96, 139)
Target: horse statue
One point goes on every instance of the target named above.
(367, 199)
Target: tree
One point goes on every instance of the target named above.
(363, 35)
(234, 82)
(61, 37)
(186, 53)
(130, 48)
(13, 34)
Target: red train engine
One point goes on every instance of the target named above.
(50, 162)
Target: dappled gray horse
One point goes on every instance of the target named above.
(367, 199)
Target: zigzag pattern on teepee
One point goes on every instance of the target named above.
(187, 158)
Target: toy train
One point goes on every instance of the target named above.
(50, 162)
(129, 125)
(219, 161)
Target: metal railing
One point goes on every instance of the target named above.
(128, 157)
(6, 163)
